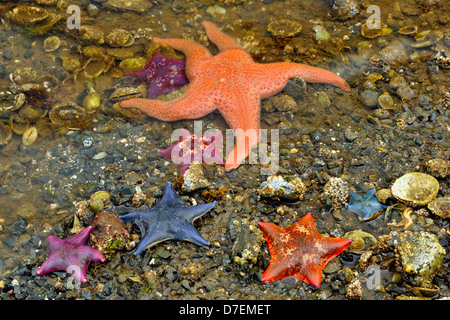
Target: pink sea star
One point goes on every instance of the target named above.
(71, 255)
(204, 149)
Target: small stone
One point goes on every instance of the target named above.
(100, 155)
(354, 290)
(350, 135)
(19, 226)
(369, 98)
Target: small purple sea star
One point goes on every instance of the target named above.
(162, 74)
(204, 149)
(71, 255)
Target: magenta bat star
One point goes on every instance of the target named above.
(162, 74)
(71, 255)
(205, 149)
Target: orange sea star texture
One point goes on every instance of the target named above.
(230, 82)
(299, 251)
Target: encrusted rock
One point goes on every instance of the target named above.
(247, 246)
(276, 187)
(194, 178)
(354, 290)
(337, 191)
(108, 233)
(420, 254)
(439, 166)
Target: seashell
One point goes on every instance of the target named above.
(18, 124)
(385, 101)
(284, 28)
(383, 194)
(63, 114)
(427, 38)
(29, 136)
(131, 113)
(25, 15)
(408, 30)
(361, 241)
(119, 38)
(440, 207)
(44, 26)
(90, 34)
(96, 66)
(30, 113)
(415, 189)
(371, 33)
(5, 134)
(124, 93)
(19, 101)
(132, 64)
(52, 43)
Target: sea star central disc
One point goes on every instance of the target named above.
(299, 251)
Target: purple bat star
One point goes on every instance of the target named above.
(71, 255)
(162, 74)
(204, 149)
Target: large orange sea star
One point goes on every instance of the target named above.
(230, 82)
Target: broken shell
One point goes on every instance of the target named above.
(26, 15)
(415, 189)
(18, 124)
(385, 101)
(284, 28)
(440, 207)
(44, 26)
(96, 66)
(408, 30)
(5, 133)
(383, 194)
(29, 136)
(63, 114)
(361, 241)
(51, 43)
(427, 38)
(374, 32)
(119, 38)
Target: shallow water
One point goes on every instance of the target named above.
(42, 182)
